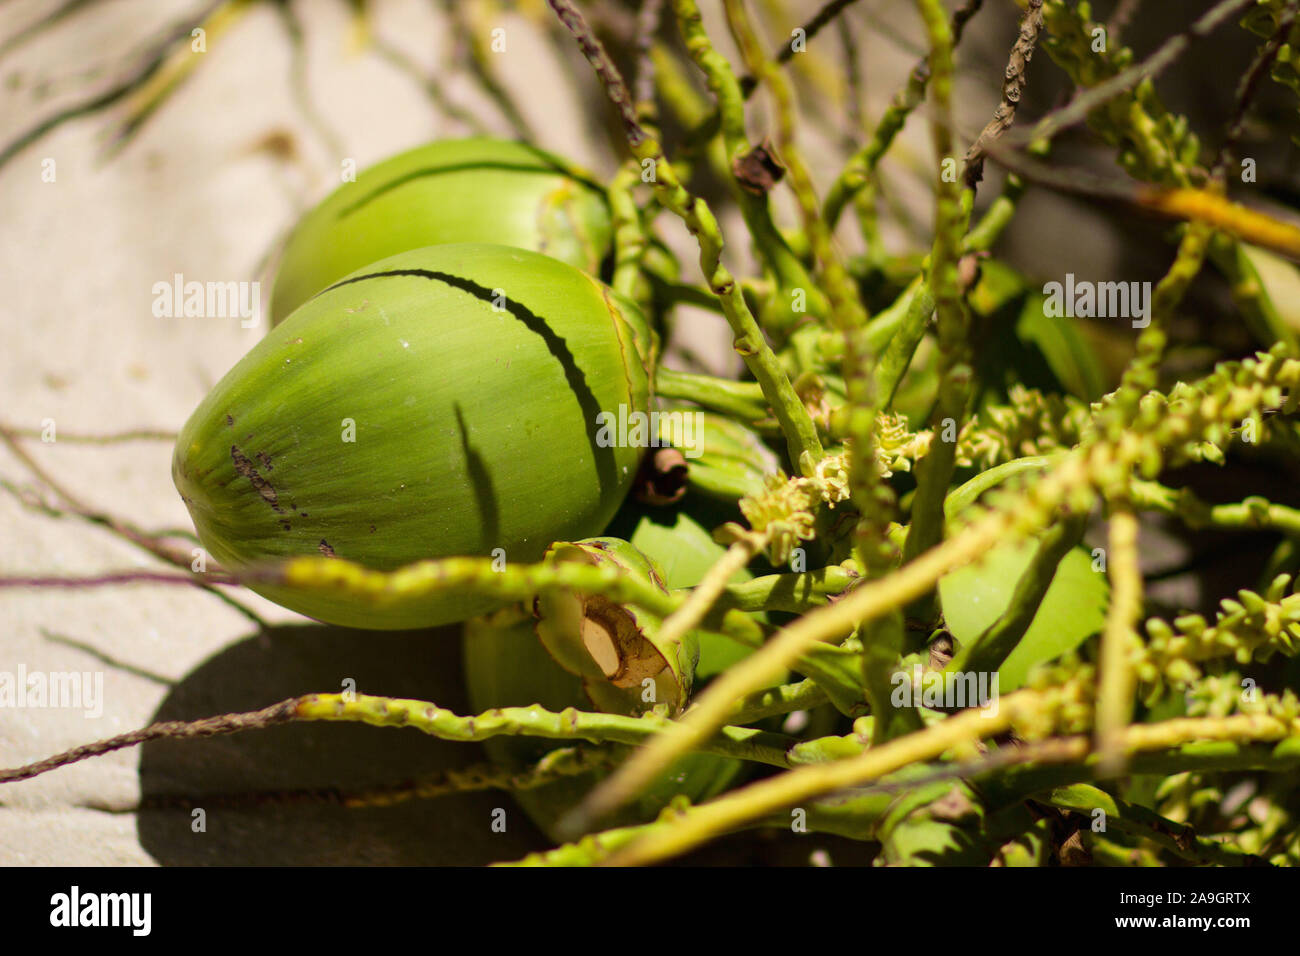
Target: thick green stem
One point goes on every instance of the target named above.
(629, 235)
(883, 644)
(1254, 513)
(897, 357)
(743, 400)
(778, 700)
(934, 473)
(795, 593)
(1120, 645)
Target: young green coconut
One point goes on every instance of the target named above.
(442, 402)
(456, 190)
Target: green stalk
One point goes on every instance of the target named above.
(1254, 513)
(1120, 644)
(794, 593)
(789, 271)
(997, 217)
(743, 743)
(1075, 765)
(629, 234)
(934, 472)
(859, 170)
(743, 400)
(897, 357)
(796, 424)
(775, 701)
(884, 642)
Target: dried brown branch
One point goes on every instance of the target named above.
(281, 713)
(564, 762)
(647, 25)
(107, 438)
(810, 29)
(1013, 87)
(113, 578)
(605, 69)
(1185, 204)
(1077, 110)
(1124, 13)
(54, 17)
(150, 64)
(126, 531)
(1247, 88)
(94, 515)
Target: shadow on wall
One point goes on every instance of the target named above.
(286, 662)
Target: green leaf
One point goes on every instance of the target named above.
(1073, 609)
(1066, 352)
(998, 284)
(685, 551)
(1281, 282)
